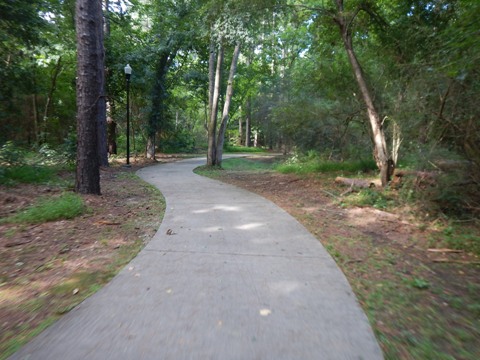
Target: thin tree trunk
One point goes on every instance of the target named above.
(381, 155)
(240, 131)
(48, 104)
(226, 106)
(35, 118)
(89, 90)
(211, 76)
(212, 125)
(248, 109)
(248, 122)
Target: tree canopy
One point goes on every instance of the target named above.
(295, 87)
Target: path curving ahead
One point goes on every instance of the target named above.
(229, 275)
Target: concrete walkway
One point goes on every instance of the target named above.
(229, 275)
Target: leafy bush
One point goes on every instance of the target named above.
(20, 166)
(180, 141)
(11, 154)
(65, 206)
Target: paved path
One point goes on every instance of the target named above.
(237, 278)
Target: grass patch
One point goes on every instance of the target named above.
(65, 206)
(316, 165)
(208, 171)
(409, 308)
(369, 197)
(466, 238)
(27, 174)
(242, 149)
(14, 344)
(244, 164)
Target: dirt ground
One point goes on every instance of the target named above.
(421, 302)
(46, 269)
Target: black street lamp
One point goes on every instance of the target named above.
(128, 73)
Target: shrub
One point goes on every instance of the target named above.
(11, 154)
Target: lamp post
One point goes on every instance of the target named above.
(128, 73)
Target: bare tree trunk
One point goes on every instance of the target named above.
(226, 105)
(48, 104)
(151, 147)
(212, 125)
(240, 132)
(35, 118)
(248, 122)
(111, 136)
(89, 90)
(382, 157)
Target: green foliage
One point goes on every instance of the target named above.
(419, 283)
(11, 154)
(179, 141)
(369, 197)
(65, 206)
(18, 165)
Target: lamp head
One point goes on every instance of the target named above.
(128, 71)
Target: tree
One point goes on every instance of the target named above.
(90, 75)
(226, 106)
(344, 20)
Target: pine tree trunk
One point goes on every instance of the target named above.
(89, 87)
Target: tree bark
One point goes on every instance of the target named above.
(212, 125)
(89, 90)
(226, 105)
